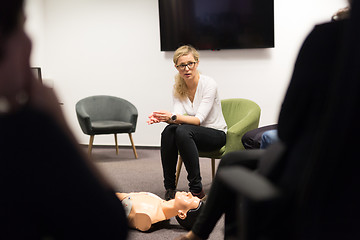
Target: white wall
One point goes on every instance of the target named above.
(90, 47)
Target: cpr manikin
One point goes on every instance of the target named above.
(144, 209)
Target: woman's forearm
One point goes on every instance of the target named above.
(181, 119)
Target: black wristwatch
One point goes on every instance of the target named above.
(174, 117)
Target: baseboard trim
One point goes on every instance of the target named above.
(122, 147)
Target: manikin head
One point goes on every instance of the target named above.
(191, 207)
(185, 201)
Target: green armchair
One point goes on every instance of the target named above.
(241, 115)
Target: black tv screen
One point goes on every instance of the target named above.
(216, 24)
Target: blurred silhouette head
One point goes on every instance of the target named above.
(10, 14)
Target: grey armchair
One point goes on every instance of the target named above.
(103, 114)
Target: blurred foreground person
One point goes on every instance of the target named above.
(49, 188)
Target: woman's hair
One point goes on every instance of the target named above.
(9, 18)
(191, 217)
(180, 88)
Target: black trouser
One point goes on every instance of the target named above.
(221, 199)
(187, 140)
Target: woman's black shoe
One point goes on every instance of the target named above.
(170, 194)
(200, 195)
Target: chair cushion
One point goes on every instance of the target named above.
(213, 154)
(108, 127)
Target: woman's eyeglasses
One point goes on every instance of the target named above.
(189, 65)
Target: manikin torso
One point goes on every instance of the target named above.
(143, 209)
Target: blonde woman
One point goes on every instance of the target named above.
(195, 124)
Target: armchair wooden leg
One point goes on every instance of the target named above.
(178, 169)
(133, 145)
(116, 144)
(90, 144)
(213, 168)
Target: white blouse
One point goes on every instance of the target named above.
(206, 105)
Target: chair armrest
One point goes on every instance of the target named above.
(133, 120)
(237, 131)
(84, 120)
(248, 183)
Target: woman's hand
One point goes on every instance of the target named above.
(152, 119)
(162, 116)
(159, 116)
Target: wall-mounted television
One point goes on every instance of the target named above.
(216, 24)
